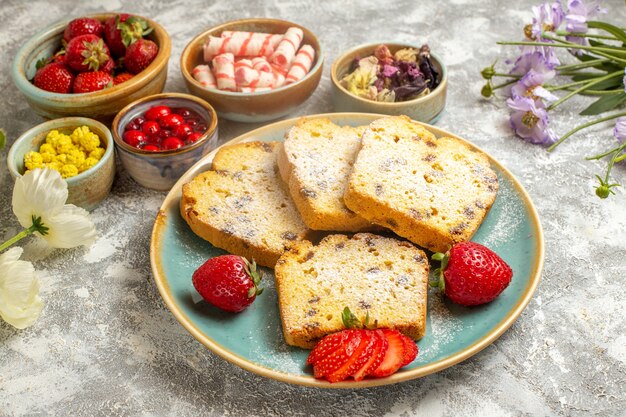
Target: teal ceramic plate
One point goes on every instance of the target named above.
(253, 339)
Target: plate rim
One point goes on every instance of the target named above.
(173, 197)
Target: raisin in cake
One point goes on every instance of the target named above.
(433, 191)
(384, 277)
(240, 205)
(315, 162)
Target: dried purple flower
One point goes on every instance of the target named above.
(530, 120)
(390, 70)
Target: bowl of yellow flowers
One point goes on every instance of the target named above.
(81, 149)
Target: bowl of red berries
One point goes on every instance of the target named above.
(158, 138)
(92, 65)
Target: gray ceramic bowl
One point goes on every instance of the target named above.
(160, 170)
(424, 109)
(259, 106)
(86, 189)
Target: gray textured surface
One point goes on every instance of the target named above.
(106, 344)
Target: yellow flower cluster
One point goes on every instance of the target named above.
(68, 154)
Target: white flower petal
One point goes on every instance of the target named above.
(20, 304)
(70, 227)
(40, 192)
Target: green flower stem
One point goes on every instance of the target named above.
(587, 64)
(566, 86)
(21, 235)
(500, 74)
(585, 87)
(607, 153)
(601, 92)
(583, 126)
(593, 49)
(495, 87)
(585, 35)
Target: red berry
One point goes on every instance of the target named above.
(183, 111)
(410, 350)
(87, 53)
(339, 357)
(192, 122)
(138, 120)
(122, 78)
(83, 26)
(150, 128)
(229, 282)
(150, 147)
(86, 82)
(139, 55)
(54, 77)
(172, 143)
(170, 121)
(122, 30)
(134, 137)
(182, 131)
(164, 133)
(193, 137)
(155, 112)
(472, 274)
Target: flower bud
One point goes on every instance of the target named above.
(488, 72)
(603, 191)
(487, 90)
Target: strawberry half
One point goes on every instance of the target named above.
(378, 353)
(394, 356)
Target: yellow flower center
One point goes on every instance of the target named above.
(529, 119)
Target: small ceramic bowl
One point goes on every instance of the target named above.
(160, 170)
(101, 105)
(424, 109)
(257, 106)
(86, 189)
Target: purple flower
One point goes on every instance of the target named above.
(547, 18)
(389, 70)
(535, 61)
(576, 20)
(579, 13)
(536, 71)
(530, 120)
(624, 80)
(620, 129)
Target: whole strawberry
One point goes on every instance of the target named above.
(122, 78)
(228, 282)
(83, 26)
(139, 55)
(87, 53)
(471, 274)
(122, 30)
(87, 82)
(54, 77)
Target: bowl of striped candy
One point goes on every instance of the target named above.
(253, 70)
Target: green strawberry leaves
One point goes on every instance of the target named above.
(253, 272)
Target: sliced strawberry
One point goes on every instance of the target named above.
(361, 355)
(326, 346)
(339, 357)
(378, 353)
(410, 350)
(394, 355)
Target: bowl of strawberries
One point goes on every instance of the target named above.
(93, 65)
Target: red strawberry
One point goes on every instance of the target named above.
(54, 77)
(87, 53)
(393, 356)
(122, 77)
(471, 274)
(361, 355)
(122, 30)
(410, 350)
(229, 282)
(83, 26)
(86, 82)
(337, 359)
(139, 55)
(326, 346)
(378, 353)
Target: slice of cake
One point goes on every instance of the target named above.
(381, 277)
(433, 191)
(315, 162)
(240, 205)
